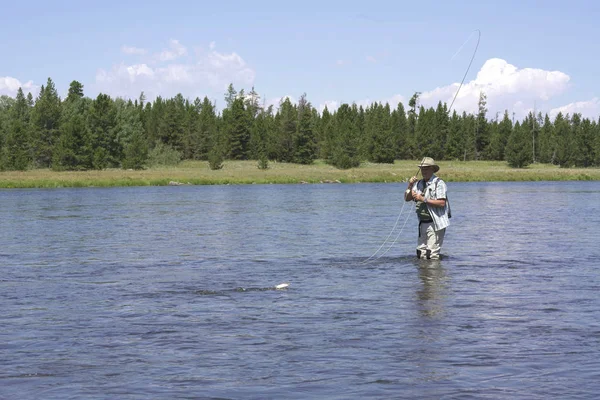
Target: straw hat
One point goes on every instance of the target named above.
(429, 162)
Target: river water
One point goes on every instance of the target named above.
(169, 292)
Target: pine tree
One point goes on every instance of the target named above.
(71, 147)
(359, 115)
(258, 138)
(425, 133)
(75, 91)
(547, 142)
(325, 137)
(102, 123)
(45, 118)
(400, 131)
(499, 137)
(411, 139)
(469, 128)
(207, 130)
(382, 146)
(130, 134)
(21, 109)
(238, 130)
(252, 103)
(454, 138)
(564, 144)
(73, 150)
(173, 124)
(440, 134)
(287, 127)
(230, 96)
(345, 149)
(367, 139)
(136, 150)
(537, 126)
(493, 129)
(270, 135)
(5, 104)
(15, 146)
(584, 144)
(191, 137)
(15, 153)
(219, 145)
(153, 115)
(596, 130)
(481, 129)
(518, 147)
(304, 140)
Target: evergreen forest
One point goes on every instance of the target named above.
(81, 133)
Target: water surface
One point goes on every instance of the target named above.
(168, 292)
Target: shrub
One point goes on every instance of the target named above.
(215, 160)
(163, 155)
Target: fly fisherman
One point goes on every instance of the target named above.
(433, 209)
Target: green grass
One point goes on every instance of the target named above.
(247, 172)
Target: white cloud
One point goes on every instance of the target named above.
(209, 71)
(504, 85)
(394, 100)
(132, 50)
(588, 109)
(276, 101)
(9, 86)
(331, 105)
(506, 88)
(371, 59)
(175, 51)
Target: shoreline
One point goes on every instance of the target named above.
(247, 172)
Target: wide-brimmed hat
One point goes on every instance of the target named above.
(429, 162)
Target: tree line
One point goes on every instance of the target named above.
(80, 133)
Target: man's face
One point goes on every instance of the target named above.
(426, 172)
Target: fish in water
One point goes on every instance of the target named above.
(282, 286)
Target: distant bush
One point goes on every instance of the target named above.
(163, 155)
(263, 163)
(215, 160)
(344, 161)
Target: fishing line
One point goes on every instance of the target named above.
(395, 239)
(388, 236)
(372, 257)
(463, 45)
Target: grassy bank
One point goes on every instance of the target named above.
(246, 172)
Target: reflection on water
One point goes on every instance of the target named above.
(433, 288)
(137, 293)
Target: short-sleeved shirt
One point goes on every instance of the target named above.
(434, 189)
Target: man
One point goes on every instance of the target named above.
(433, 209)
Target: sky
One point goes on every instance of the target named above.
(538, 55)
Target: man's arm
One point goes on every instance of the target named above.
(408, 194)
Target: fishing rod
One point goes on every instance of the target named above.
(464, 76)
(372, 257)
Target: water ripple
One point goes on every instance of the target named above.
(139, 293)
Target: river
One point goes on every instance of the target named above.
(169, 292)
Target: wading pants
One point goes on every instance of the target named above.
(430, 241)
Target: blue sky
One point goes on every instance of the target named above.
(531, 52)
